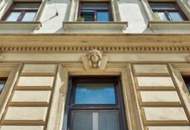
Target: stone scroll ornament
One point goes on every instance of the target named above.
(94, 59)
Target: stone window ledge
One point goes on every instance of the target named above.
(94, 27)
(165, 25)
(19, 26)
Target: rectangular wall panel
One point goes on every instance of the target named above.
(35, 81)
(39, 68)
(159, 96)
(31, 96)
(150, 69)
(26, 113)
(164, 113)
(169, 128)
(22, 128)
(155, 81)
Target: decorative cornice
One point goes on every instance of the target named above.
(120, 43)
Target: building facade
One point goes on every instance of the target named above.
(94, 65)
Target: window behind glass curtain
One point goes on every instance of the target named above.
(95, 11)
(22, 12)
(167, 11)
(95, 103)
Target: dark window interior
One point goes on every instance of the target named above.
(95, 11)
(95, 103)
(22, 12)
(2, 83)
(168, 11)
(187, 81)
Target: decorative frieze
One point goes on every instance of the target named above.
(118, 43)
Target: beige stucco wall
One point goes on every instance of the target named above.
(135, 12)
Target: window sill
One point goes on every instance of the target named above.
(165, 25)
(94, 27)
(14, 27)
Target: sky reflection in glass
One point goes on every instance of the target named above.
(96, 93)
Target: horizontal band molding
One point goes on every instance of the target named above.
(29, 104)
(105, 42)
(167, 123)
(23, 122)
(152, 74)
(37, 74)
(160, 104)
(156, 88)
(37, 88)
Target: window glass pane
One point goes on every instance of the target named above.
(94, 6)
(94, 11)
(163, 6)
(95, 93)
(13, 16)
(175, 16)
(29, 16)
(161, 15)
(95, 120)
(25, 6)
(87, 15)
(82, 120)
(102, 16)
(108, 120)
(187, 81)
(2, 84)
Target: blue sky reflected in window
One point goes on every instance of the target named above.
(96, 93)
(103, 16)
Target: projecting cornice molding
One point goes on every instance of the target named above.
(77, 43)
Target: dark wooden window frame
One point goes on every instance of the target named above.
(166, 11)
(11, 9)
(95, 20)
(119, 106)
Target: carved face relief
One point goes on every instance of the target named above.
(94, 58)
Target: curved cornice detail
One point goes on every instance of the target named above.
(109, 43)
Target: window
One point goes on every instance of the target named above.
(167, 11)
(187, 81)
(2, 83)
(95, 11)
(95, 103)
(22, 12)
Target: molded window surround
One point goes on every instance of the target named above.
(95, 103)
(19, 25)
(76, 5)
(8, 74)
(155, 23)
(151, 15)
(181, 75)
(9, 6)
(76, 24)
(59, 113)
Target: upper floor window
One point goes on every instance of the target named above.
(22, 12)
(187, 81)
(95, 104)
(167, 11)
(2, 83)
(95, 11)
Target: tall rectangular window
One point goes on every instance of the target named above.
(95, 103)
(167, 11)
(187, 82)
(95, 11)
(22, 12)
(2, 83)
